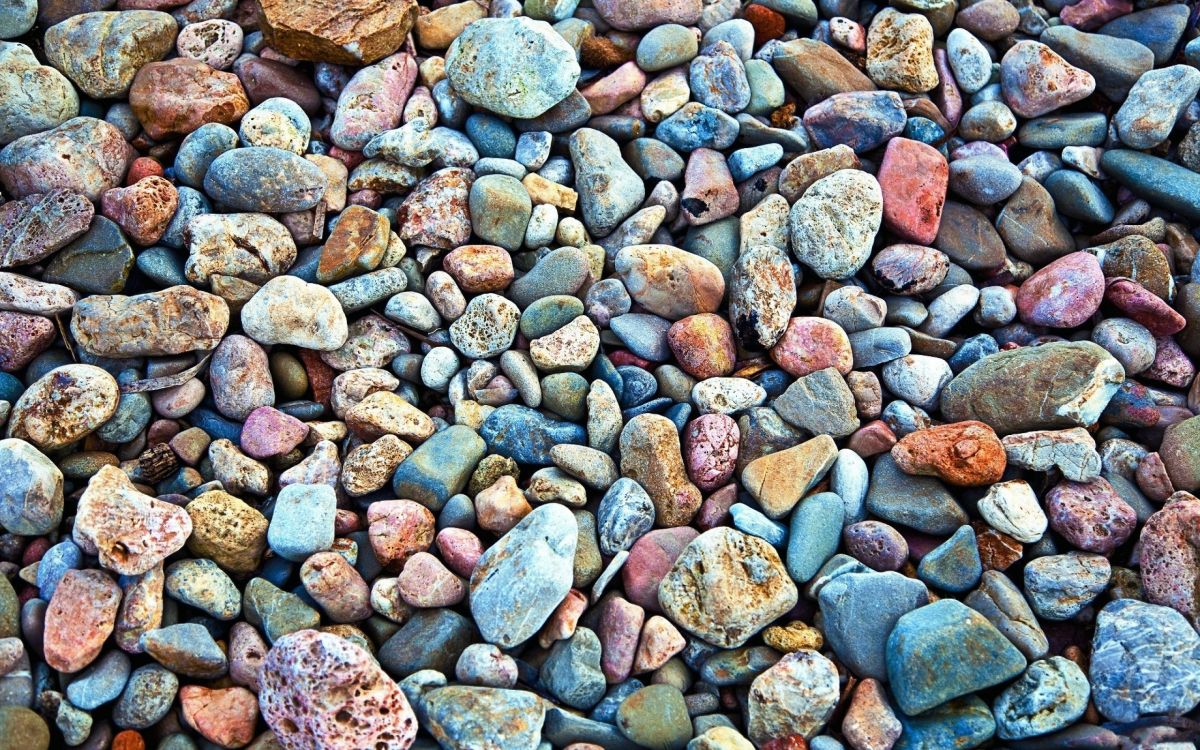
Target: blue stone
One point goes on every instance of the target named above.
(1163, 183)
(958, 725)
(162, 265)
(680, 414)
(924, 130)
(215, 425)
(747, 162)
(524, 435)
(816, 530)
(11, 387)
(860, 609)
(971, 351)
(640, 386)
(491, 135)
(54, 565)
(652, 406)
(697, 126)
(645, 335)
(946, 650)
(754, 523)
(953, 565)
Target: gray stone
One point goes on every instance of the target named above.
(860, 610)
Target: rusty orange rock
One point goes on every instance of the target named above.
(966, 454)
(224, 717)
(357, 32)
(174, 97)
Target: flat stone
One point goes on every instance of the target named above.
(363, 32)
(860, 610)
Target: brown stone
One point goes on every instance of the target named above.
(356, 244)
(228, 531)
(174, 97)
(347, 32)
(480, 268)
(651, 455)
(967, 454)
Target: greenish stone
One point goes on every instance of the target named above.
(276, 611)
(22, 729)
(96, 263)
(548, 314)
(565, 394)
(439, 467)
(656, 717)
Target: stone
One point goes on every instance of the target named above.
(777, 481)
(1072, 452)
(79, 619)
(130, 532)
(47, 99)
(670, 282)
(541, 68)
(1180, 453)
(1012, 508)
(819, 403)
(726, 586)
(1039, 398)
(965, 454)
(1036, 80)
(900, 52)
(1060, 586)
(655, 716)
(462, 717)
(363, 32)
(521, 579)
(175, 97)
(176, 320)
(796, 696)
(860, 611)
(913, 177)
(652, 456)
(609, 190)
(31, 490)
(82, 155)
(311, 681)
(1090, 515)
(927, 665)
(847, 204)
(1050, 696)
(64, 405)
(101, 52)
(572, 670)
(288, 310)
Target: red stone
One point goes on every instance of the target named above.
(811, 344)
(80, 617)
(1143, 306)
(223, 717)
(650, 558)
(703, 345)
(174, 97)
(913, 178)
(966, 454)
(1090, 515)
(1063, 294)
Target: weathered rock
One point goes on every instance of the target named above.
(177, 320)
(131, 532)
(359, 33)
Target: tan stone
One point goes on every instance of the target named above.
(347, 32)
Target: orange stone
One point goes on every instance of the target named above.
(79, 619)
(357, 243)
(174, 97)
(349, 32)
(966, 454)
(224, 717)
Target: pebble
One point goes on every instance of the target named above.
(726, 585)
(847, 204)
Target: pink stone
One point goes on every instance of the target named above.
(1143, 306)
(247, 649)
(946, 95)
(811, 344)
(714, 511)
(708, 190)
(11, 651)
(1171, 364)
(872, 439)
(23, 337)
(1035, 80)
(1090, 515)
(460, 549)
(425, 582)
(710, 448)
(620, 624)
(1089, 15)
(399, 529)
(659, 642)
(79, 619)
(269, 433)
(1063, 294)
(337, 587)
(632, 15)
(607, 93)
(143, 209)
(1152, 478)
(373, 101)
(913, 178)
(224, 717)
(563, 621)
(320, 690)
(870, 723)
(1170, 555)
(649, 560)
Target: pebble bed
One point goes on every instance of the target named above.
(599, 374)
